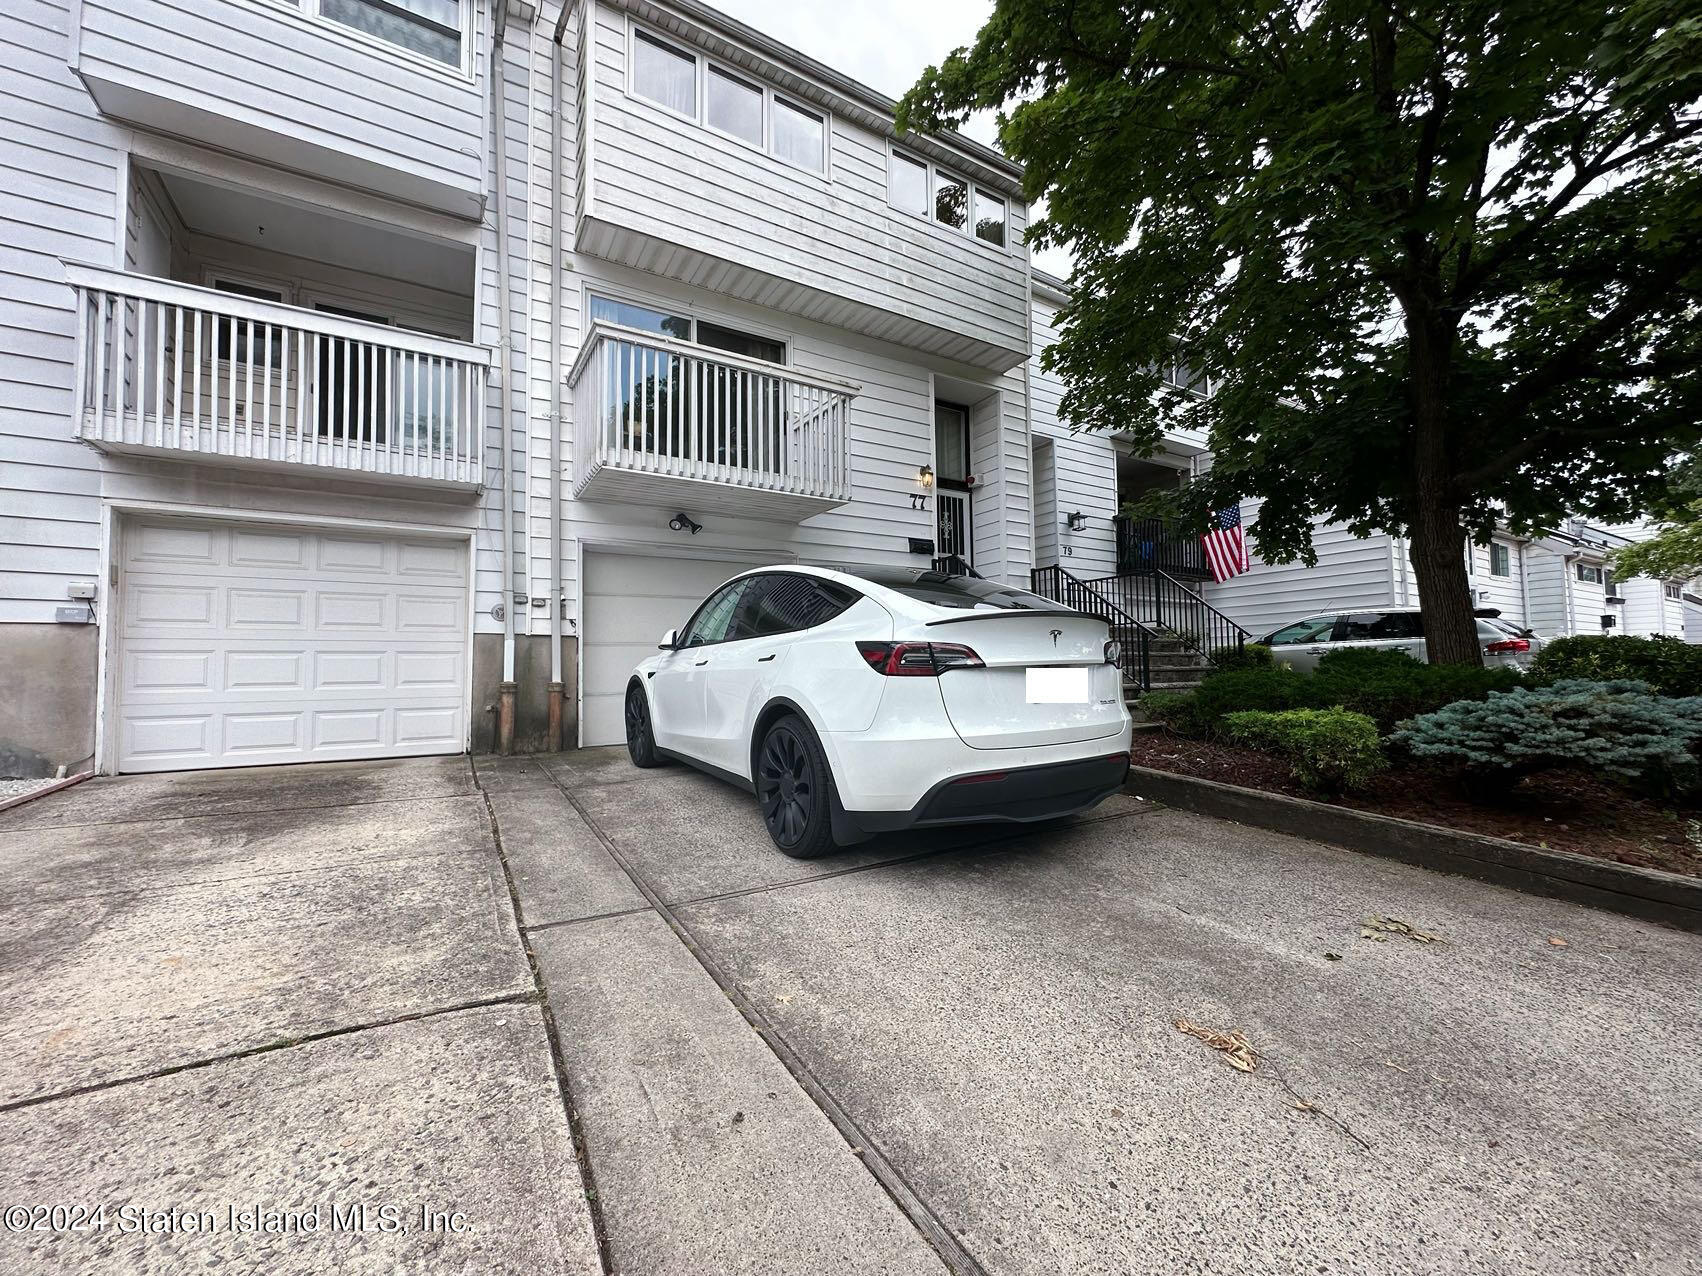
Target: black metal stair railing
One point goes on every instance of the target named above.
(1158, 599)
(1134, 639)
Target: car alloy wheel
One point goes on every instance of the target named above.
(786, 787)
(640, 743)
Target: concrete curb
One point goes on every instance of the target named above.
(1619, 888)
(57, 785)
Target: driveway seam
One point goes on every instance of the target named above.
(224, 815)
(283, 1043)
(580, 921)
(920, 1214)
(575, 1132)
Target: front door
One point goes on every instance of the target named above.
(954, 532)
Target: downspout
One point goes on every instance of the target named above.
(499, 133)
(1525, 586)
(558, 166)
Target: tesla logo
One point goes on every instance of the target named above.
(1056, 634)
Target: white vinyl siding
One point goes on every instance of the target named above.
(706, 209)
(1505, 592)
(283, 86)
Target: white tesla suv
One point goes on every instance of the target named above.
(863, 701)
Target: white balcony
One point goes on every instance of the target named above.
(663, 422)
(173, 370)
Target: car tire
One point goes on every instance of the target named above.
(794, 789)
(640, 736)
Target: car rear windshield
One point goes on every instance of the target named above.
(966, 592)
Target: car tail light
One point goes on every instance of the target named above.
(918, 659)
(1113, 652)
(1507, 645)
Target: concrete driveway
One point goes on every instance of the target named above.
(940, 1053)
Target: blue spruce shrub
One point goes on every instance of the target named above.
(1619, 729)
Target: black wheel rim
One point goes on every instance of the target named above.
(637, 721)
(786, 787)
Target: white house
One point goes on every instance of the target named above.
(303, 459)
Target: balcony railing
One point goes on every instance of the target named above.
(665, 422)
(172, 369)
(1152, 545)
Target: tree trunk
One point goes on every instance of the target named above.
(1444, 590)
(1438, 540)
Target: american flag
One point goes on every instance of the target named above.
(1226, 545)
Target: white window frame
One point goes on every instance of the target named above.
(681, 310)
(700, 106)
(1507, 556)
(1595, 576)
(1672, 593)
(933, 172)
(308, 10)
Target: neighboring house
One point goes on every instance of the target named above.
(304, 460)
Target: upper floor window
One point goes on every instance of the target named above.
(663, 74)
(927, 190)
(685, 328)
(1500, 559)
(727, 102)
(1180, 373)
(1674, 592)
(432, 28)
(1589, 575)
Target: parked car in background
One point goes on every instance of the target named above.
(1303, 643)
(868, 700)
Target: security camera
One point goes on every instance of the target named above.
(682, 522)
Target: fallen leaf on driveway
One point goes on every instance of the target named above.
(1557, 941)
(1380, 928)
(1237, 1051)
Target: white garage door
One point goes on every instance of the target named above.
(240, 646)
(631, 600)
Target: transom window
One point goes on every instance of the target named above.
(927, 190)
(723, 100)
(430, 28)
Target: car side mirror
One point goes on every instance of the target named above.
(670, 640)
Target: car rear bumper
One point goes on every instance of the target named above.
(1016, 795)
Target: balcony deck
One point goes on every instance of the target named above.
(174, 370)
(667, 423)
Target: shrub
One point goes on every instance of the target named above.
(1270, 690)
(1250, 655)
(1175, 709)
(1390, 686)
(1669, 665)
(1329, 749)
(1618, 728)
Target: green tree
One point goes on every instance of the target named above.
(1675, 551)
(1442, 261)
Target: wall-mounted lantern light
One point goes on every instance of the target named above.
(925, 477)
(1076, 521)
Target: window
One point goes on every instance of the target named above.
(353, 387)
(431, 28)
(1371, 626)
(641, 317)
(989, 218)
(907, 184)
(951, 445)
(799, 135)
(714, 620)
(1312, 629)
(951, 201)
(785, 603)
(664, 75)
(1184, 376)
(1674, 592)
(1500, 559)
(233, 333)
(730, 104)
(733, 106)
(1589, 575)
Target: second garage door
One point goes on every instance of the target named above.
(631, 600)
(243, 645)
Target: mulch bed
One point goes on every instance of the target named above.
(1557, 811)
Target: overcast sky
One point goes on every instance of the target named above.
(884, 43)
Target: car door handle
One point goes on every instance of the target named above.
(701, 663)
(761, 660)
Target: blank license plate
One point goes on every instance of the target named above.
(1058, 686)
